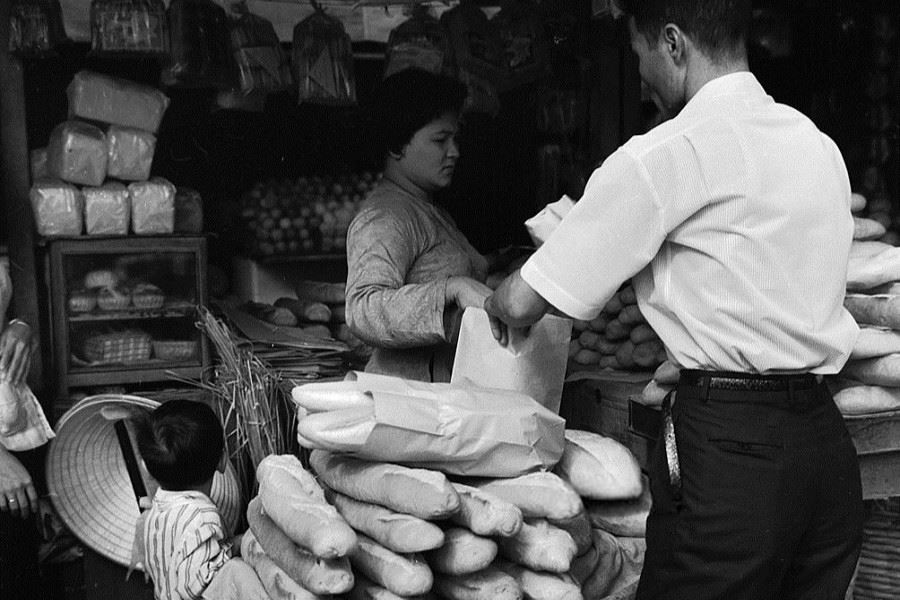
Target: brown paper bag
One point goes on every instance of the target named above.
(532, 363)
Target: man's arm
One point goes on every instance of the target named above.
(514, 304)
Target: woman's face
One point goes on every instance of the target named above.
(429, 159)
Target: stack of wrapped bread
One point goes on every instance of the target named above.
(377, 530)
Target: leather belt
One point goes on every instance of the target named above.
(725, 380)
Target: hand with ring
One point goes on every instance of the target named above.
(18, 496)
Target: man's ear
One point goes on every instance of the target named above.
(675, 42)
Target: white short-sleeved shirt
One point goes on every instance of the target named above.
(733, 219)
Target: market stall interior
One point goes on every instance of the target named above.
(178, 179)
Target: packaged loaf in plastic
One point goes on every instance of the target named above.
(138, 26)
(322, 60)
(77, 152)
(116, 101)
(107, 209)
(58, 207)
(38, 158)
(130, 153)
(188, 211)
(200, 48)
(152, 206)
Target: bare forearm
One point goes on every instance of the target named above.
(516, 303)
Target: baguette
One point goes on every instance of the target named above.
(369, 590)
(867, 399)
(539, 494)
(542, 586)
(486, 514)
(857, 202)
(654, 393)
(873, 342)
(642, 333)
(342, 430)
(883, 370)
(540, 546)
(867, 272)
(882, 310)
(407, 575)
(278, 584)
(331, 395)
(624, 518)
(867, 229)
(293, 499)
(598, 467)
(419, 492)
(396, 531)
(320, 576)
(586, 357)
(463, 552)
(489, 584)
(306, 311)
(579, 528)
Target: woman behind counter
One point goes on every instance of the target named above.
(411, 271)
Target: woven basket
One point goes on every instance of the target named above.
(147, 301)
(118, 347)
(82, 301)
(174, 349)
(115, 301)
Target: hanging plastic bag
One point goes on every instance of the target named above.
(478, 55)
(35, 26)
(419, 42)
(525, 47)
(129, 26)
(262, 65)
(322, 60)
(201, 50)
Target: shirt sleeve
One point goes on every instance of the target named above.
(205, 554)
(611, 233)
(382, 309)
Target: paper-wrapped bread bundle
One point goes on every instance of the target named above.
(107, 209)
(58, 208)
(130, 153)
(77, 153)
(152, 206)
(116, 101)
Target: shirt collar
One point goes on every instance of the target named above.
(743, 83)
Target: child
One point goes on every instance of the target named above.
(185, 552)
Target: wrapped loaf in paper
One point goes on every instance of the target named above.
(116, 101)
(77, 153)
(152, 206)
(130, 153)
(58, 208)
(107, 209)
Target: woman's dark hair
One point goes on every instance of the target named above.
(408, 100)
(718, 27)
(181, 443)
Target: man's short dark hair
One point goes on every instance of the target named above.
(410, 99)
(718, 27)
(181, 442)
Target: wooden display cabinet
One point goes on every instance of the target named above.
(104, 339)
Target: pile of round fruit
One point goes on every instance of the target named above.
(307, 215)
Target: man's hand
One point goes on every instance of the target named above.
(465, 292)
(17, 494)
(16, 349)
(514, 304)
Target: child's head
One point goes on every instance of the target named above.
(181, 442)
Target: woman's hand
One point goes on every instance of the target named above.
(465, 292)
(16, 349)
(17, 494)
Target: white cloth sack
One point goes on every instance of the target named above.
(541, 225)
(532, 364)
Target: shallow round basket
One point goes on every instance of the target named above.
(147, 301)
(88, 479)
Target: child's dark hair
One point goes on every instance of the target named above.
(181, 442)
(408, 100)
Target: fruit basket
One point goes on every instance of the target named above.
(126, 346)
(173, 350)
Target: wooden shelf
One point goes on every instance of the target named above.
(131, 315)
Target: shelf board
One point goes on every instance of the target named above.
(132, 315)
(132, 373)
(270, 260)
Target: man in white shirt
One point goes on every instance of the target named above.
(732, 218)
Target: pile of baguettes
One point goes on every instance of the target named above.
(382, 531)
(870, 380)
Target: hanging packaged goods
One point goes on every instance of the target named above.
(131, 26)
(201, 50)
(526, 49)
(478, 55)
(322, 60)
(419, 42)
(262, 64)
(35, 26)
